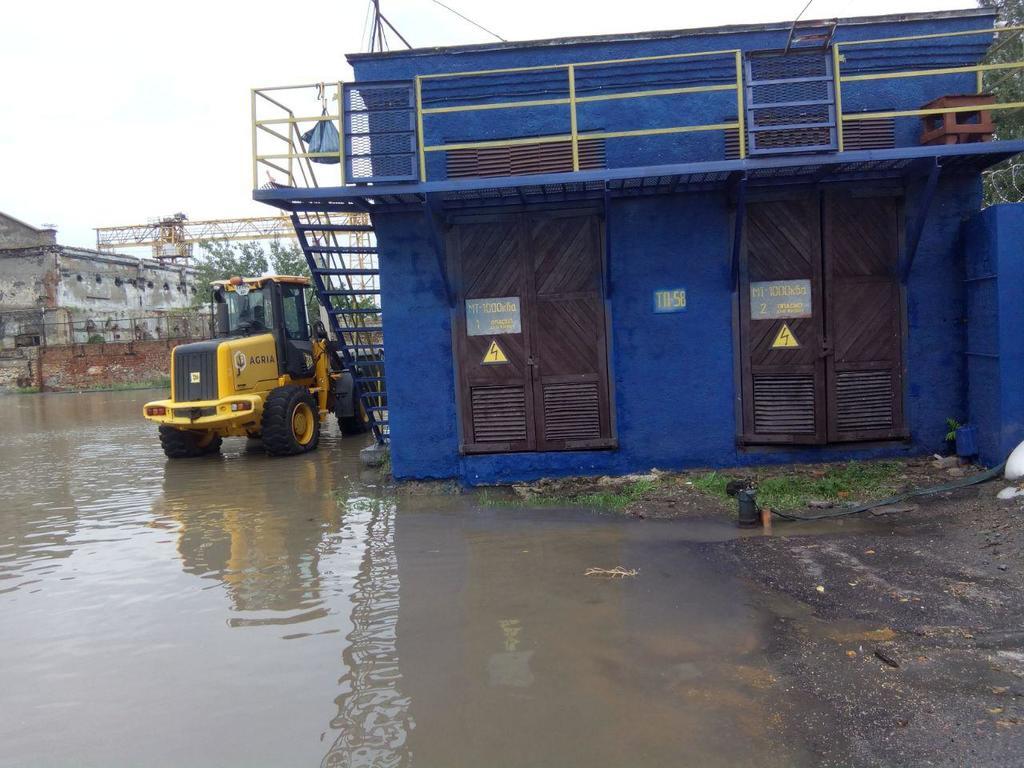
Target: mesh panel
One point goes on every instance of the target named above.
(379, 97)
(384, 120)
(783, 67)
(775, 93)
(380, 132)
(794, 138)
(373, 167)
(790, 115)
(384, 144)
(792, 79)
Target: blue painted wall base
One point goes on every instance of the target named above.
(673, 373)
(995, 323)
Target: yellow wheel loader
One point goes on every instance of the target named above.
(265, 375)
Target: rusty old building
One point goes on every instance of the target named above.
(55, 295)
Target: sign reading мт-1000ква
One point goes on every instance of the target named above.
(780, 298)
(489, 317)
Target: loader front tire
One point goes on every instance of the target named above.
(291, 421)
(187, 444)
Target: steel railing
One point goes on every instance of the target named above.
(572, 101)
(978, 70)
(292, 158)
(289, 145)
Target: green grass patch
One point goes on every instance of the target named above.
(611, 499)
(855, 480)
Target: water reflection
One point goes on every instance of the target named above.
(261, 535)
(290, 612)
(373, 720)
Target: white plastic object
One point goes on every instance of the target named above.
(1015, 464)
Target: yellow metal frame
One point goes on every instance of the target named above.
(269, 127)
(572, 100)
(290, 142)
(978, 69)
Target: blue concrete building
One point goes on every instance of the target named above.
(703, 247)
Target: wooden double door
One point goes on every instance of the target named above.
(822, 319)
(530, 332)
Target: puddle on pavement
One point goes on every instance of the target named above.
(248, 611)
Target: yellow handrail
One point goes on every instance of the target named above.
(267, 100)
(572, 100)
(933, 36)
(979, 71)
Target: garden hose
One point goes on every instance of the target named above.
(979, 477)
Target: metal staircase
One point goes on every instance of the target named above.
(342, 257)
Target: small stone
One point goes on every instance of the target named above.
(820, 504)
(946, 462)
(1002, 567)
(820, 588)
(956, 472)
(1010, 492)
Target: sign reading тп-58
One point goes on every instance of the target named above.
(489, 317)
(780, 298)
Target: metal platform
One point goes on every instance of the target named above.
(865, 165)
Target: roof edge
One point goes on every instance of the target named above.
(667, 34)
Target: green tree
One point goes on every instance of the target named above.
(221, 260)
(224, 260)
(1001, 184)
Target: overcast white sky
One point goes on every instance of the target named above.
(117, 112)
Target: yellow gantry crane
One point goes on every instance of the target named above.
(173, 237)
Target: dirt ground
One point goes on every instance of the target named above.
(907, 628)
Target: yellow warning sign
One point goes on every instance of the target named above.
(494, 354)
(785, 339)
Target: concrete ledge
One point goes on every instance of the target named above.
(374, 455)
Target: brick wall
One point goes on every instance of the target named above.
(89, 366)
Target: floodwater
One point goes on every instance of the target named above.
(247, 611)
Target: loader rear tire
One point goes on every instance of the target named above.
(291, 421)
(187, 444)
(351, 425)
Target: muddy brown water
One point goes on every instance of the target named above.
(247, 611)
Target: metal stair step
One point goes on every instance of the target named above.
(371, 249)
(335, 227)
(345, 272)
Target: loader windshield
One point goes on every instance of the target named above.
(242, 315)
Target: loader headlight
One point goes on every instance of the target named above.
(156, 410)
(242, 406)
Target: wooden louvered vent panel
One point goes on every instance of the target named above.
(572, 411)
(784, 404)
(524, 159)
(499, 414)
(864, 401)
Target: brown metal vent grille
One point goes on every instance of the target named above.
(572, 411)
(861, 134)
(524, 159)
(870, 134)
(784, 403)
(499, 414)
(864, 401)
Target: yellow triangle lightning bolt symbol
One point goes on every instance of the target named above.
(785, 339)
(494, 354)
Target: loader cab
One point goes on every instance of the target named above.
(269, 305)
